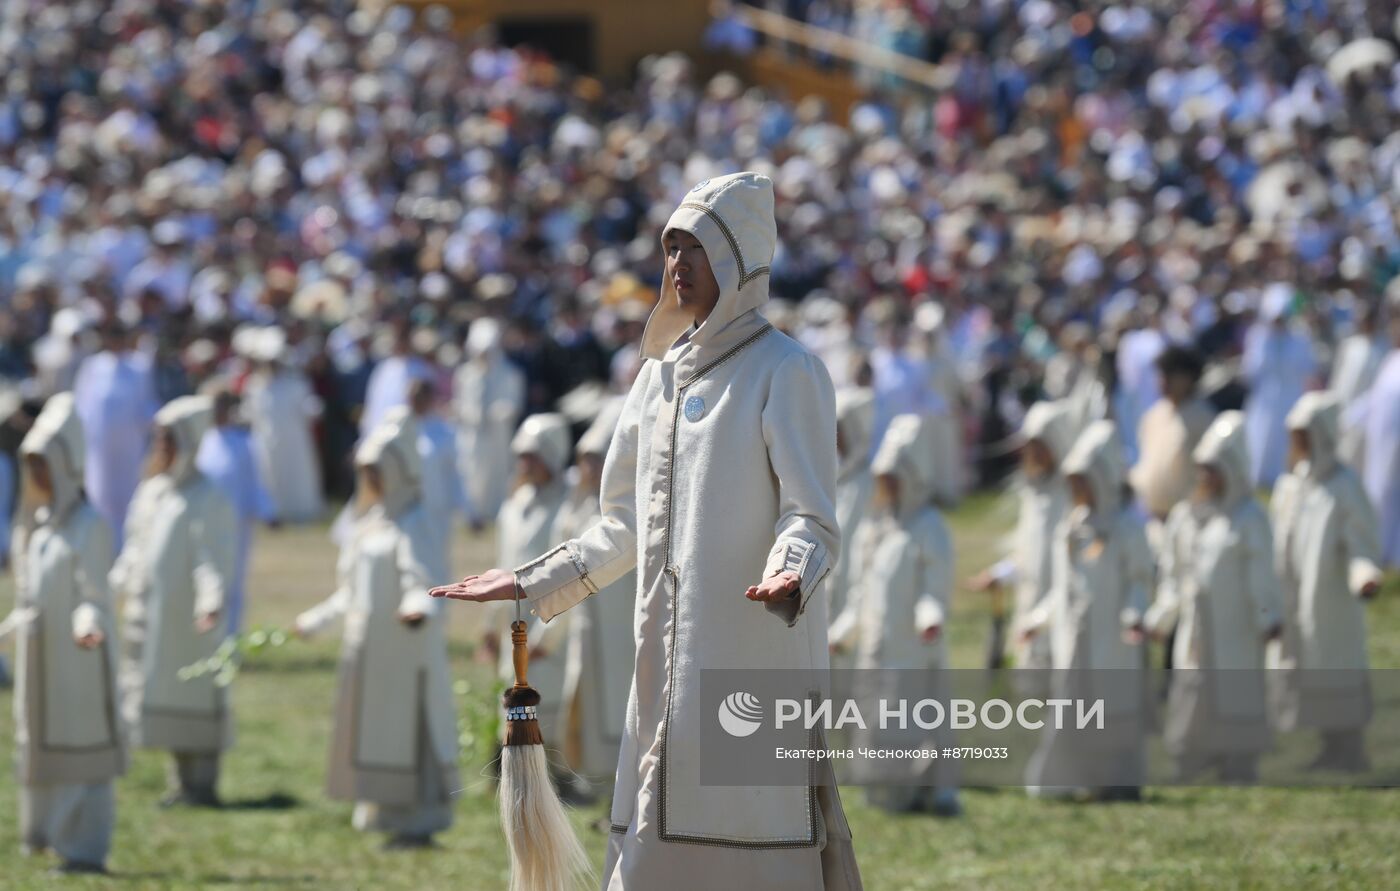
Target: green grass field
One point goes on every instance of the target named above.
(1179, 838)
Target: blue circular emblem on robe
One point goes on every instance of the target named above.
(694, 408)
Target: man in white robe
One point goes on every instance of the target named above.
(855, 421)
(1046, 435)
(901, 599)
(1093, 614)
(719, 489)
(1354, 370)
(524, 528)
(1326, 547)
(394, 745)
(1381, 471)
(488, 399)
(281, 408)
(390, 380)
(444, 497)
(1278, 364)
(116, 397)
(1218, 591)
(598, 655)
(69, 743)
(174, 570)
(226, 457)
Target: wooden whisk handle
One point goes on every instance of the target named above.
(520, 651)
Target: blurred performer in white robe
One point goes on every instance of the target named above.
(1047, 435)
(1093, 616)
(226, 457)
(180, 556)
(524, 529)
(281, 408)
(68, 738)
(389, 381)
(1354, 370)
(855, 421)
(1382, 466)
(444, 497)
(1326, 546)
(1217, 588)
(902, 596)
(598, 655)
(1278, 364)
(394, 746)
(488, 399)
(116, 399)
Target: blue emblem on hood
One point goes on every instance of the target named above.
(694, 409)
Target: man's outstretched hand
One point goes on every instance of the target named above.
(774, 589)
(493, 584)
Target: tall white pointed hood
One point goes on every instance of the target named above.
(187, 418)
(1224, 447)
(57, 437)
(1319, 415)
(547, 435)
(1098, 457)
(392, 448)
(1049, 423)
(909, 454)
(732, 217)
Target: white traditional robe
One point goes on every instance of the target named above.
(597, 659)
(525, 527)
(488, 399)
(394, 745)
(903, 587)
(68, 737)
(388, 387)
(281, 407)
(175, 567)
(1218, 589)
(1381, 472)
(444, 497)
(1138, 384)
(722, 473)
(1354, 370)
(1326, 550)
(855, 419)
(1277, 365)
(1044, 504)
(116, 400)
(1102, 575)
(226, 458)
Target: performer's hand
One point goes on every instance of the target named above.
(493, 584)
(90, 641)
(1274, 632)
(206, 623)
(1134, 635)
(774, 589)
(983, 581)
(413, 619)
(930, 634)
(1026, 635)
(300, 633)
(1370, 590)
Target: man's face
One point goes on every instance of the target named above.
(1037, 460)
(38, 470)
(1080, 492)
(689, 270)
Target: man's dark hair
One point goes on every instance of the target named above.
(1181, 360)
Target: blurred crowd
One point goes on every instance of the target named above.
(210, 191)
